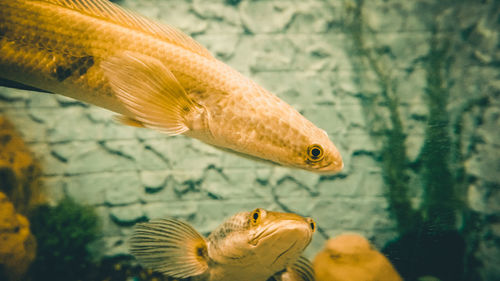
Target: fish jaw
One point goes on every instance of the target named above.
(281, 240)
(284, 243)
(245, 247)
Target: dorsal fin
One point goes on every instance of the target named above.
(107, 10)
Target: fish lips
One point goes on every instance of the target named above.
(331, 168)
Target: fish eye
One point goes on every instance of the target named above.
(312, 224)
(315, 153)
(255, 216)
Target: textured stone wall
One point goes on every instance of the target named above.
(357, 69)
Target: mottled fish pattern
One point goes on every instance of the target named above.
(249, 246)
(152, 75)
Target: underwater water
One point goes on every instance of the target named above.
(409, 92)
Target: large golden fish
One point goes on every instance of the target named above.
(153, 76)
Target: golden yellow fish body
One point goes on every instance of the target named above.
(249, 246)
(59, 49)
(94, 51)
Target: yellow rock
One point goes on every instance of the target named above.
(19, 172)
(17, 244)
(350, 257)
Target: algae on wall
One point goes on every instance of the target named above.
(440, 204)
(433, 163)
(389, 133)
(439, 168)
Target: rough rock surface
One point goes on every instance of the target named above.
(306, 53)
(17, 244)
(19, 172)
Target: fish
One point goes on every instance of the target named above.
(249, 246)
(350, 257)
(154, 76)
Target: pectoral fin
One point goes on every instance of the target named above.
(150, 91)
(170, 246)
(128, 121)
(300, 270)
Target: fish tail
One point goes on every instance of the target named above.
(171, 247)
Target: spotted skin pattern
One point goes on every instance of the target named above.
(59, 46)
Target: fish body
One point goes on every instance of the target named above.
(250, 246)
(350, 257)
(153, 76)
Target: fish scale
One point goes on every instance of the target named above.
(75, 34)
(81, 48)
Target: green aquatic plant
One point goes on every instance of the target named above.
(432, 234)
(63, 233)
(440, 203)
(393, 148)
(233, 2)
(430, 240)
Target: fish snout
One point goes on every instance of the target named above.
(332, 168)
(300, 233)
(291, 244)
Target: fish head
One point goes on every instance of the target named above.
(302, 145)
(278, 238)
(265, 127)
(317, 153)
(258, 243)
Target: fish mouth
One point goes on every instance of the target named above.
(263, 234)
(284, 252)
(272, 230)
(330, 168)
